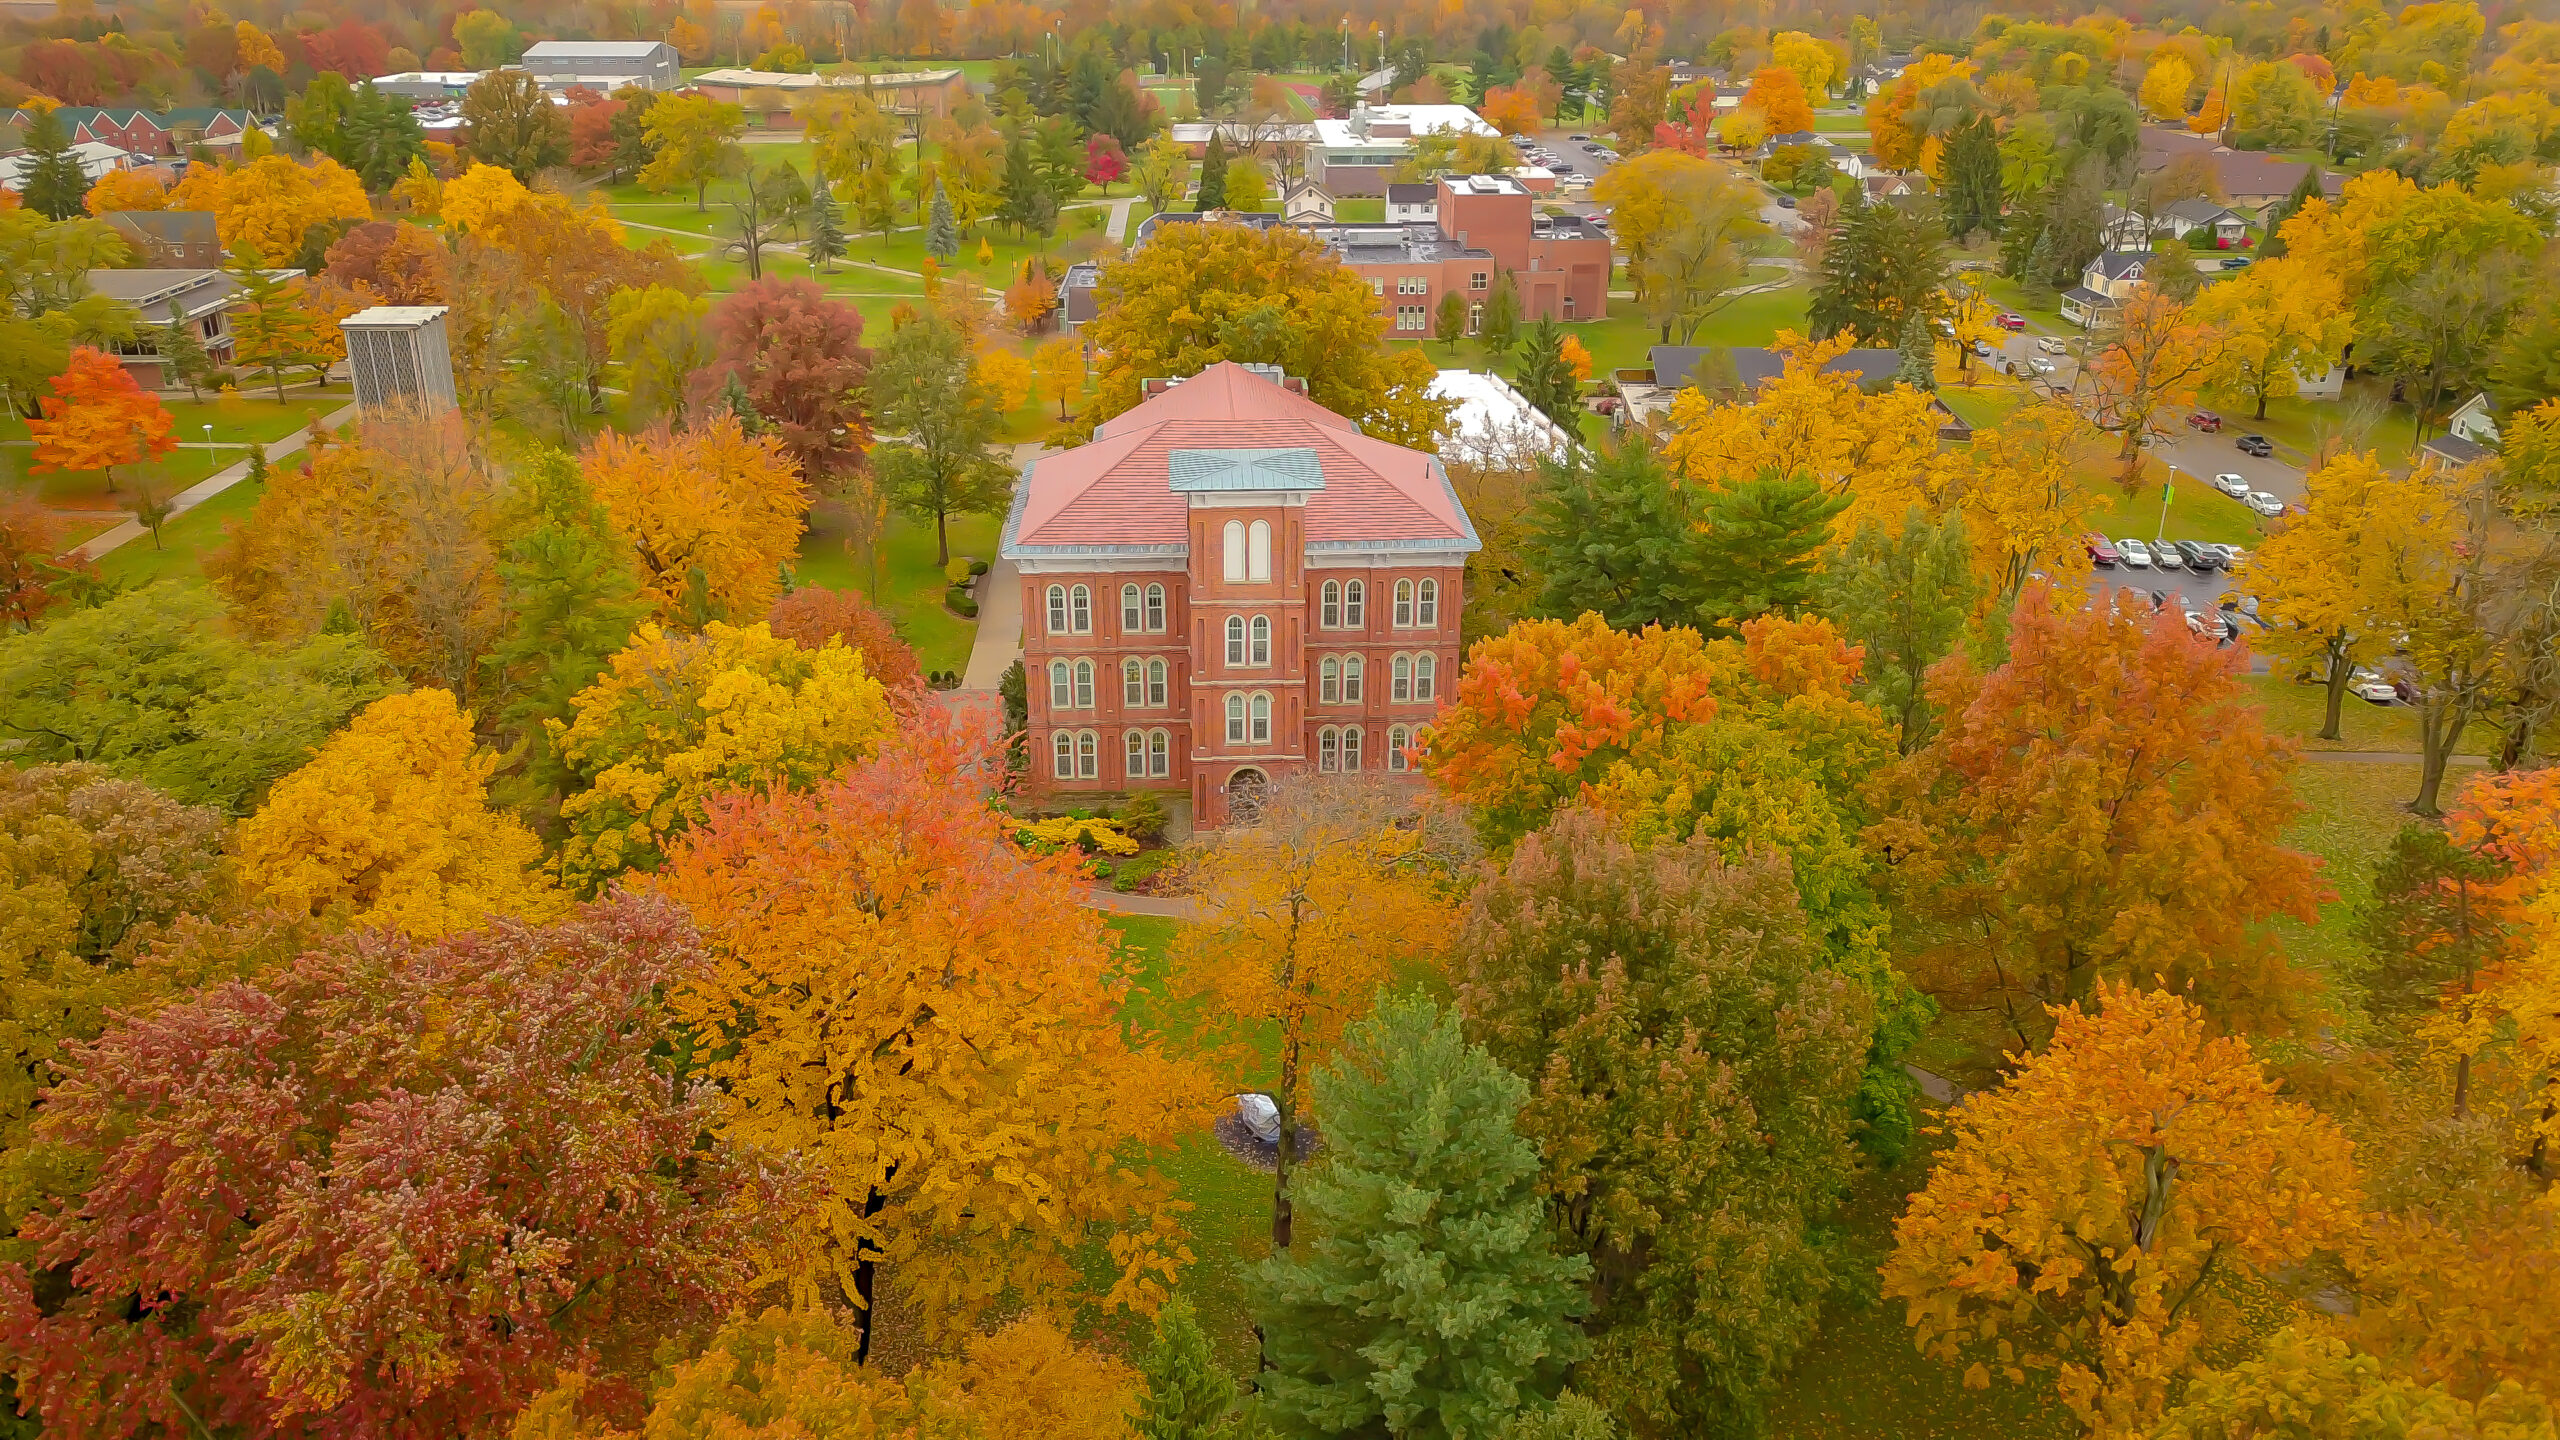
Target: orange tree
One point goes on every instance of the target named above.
(97, 418)
(932, 1021)
(2083, 1215)
(711, 513)
(2154, 358)
(1777, 93)
(2107, 803)
(1197, 294)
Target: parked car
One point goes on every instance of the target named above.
(2199, 557)
(2204, 420)
(2236, 262)
(1786, 202)
(2166, 557)
(2051, 346)
(2011, 321)
(2235, 486)
(2265, 504)
(2136, 555)
(2376, 691)
(2101, 554)
(2041, 365)
(2258, 445)
(1577, 137)
(2232, 558)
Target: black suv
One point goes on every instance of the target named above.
(2199, 558)
(2258, 445)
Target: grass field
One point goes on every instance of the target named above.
(911, 583)
(237, 422)
(184, 542)
(2197, 511)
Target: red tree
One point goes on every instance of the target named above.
(30, 576)
(811, 616)
(592, 143)
(390, 1190)
(1104, 161)
(350, 47)
(403, 264)
(799, 354)
(97, 418)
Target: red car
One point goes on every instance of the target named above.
(2011, 321)
(2204, 420)
(2101, 554)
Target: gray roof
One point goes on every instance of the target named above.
(594, 49)
(2200, 212)
(2087, 296)
(1755, 365)
(1295, 468)
(1413, 194)
(185, 227)
(2455, 449)
(158, 293)
(2119, 264)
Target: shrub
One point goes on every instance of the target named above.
(1139, 872)
(958, 571)
(978, 567)
(811, 616)
(961, 603)
(1090, 836)
(1142, 816)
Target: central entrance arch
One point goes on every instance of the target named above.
(1246, 790)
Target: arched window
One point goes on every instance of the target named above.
(1398, 738)
(1258, 550)
(1235, 640)
(1084, 684)
(1057, 609)
(1235, 719)
(1131, 617)
(1062, 692)
(1355, 616)
(1063, 755)
(1404, 605)
(1328, 750)
(1426, 604)
(1350, 748)
(1261, 717)
(1329, 682)
(1080, 610)
(1088, 755)
(1424, 667)
(1155, 682)
(1261, 640)
(1133, 763)
(1133, 683)
(1155, 609)
(1400, 688)
(1352, 665)
(1160, 753)
(1329, 615)
(1231, 550)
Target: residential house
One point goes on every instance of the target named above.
(2122, 229)
(1413, 204)
(606, 64)
(1306, 203)
(2104, 286)
(2203, 224)
(2470, 433)
(151, 133)
(1229, 585)
(1891, 186)
(1485, 224)
(2248, 179)
(1848, 162)
(169, 239)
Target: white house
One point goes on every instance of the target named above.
(1306, 202)
(95, 158)
(1413, 204)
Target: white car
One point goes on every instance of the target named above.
(2235, 486)
(2135, 554)
(2041, 365)
(2265, 504)
(2378, 692)
(2051, 346)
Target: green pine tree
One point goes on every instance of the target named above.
(1886, 262)
(182, 353)
(1427, 1304)
(826, 227)
(733, 398)
(1919, 367)
(1973, 179)
(1761, 542)
(941, 235)
(52, 183)
(1022, 186)
(2303, 194)
(1543, 378)
(1188, 1392)
(1213, 176)
(1500, 329)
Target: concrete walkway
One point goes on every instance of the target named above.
(2387, 757)
(1168, 907)
(999, 639)
(212, 485)
(1117, 231)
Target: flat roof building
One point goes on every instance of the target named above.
(653, 62)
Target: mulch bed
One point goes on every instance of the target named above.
(1239, 1141)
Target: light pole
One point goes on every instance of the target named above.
(2166, 487)
(212, 462)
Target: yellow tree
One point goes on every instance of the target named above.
(1879, 450)
(390, 825)
(931, 1020)
(1975, 321)
(1058, 365)
(2279, 322)
(2023, 490)
(2166, 84)
(2425, 586)
(711, 514)
(1304, 916)
(678, 717)
(1815, 63)
(2310, 578)
(267, 204)
(2083, 1215)
(696, 142)
(2154, 357)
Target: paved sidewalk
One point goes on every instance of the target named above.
(212, 485)
(999, 639)
(1169, 907)
(1118, 230)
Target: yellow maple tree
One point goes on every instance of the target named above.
(930, 1019)
(2311, 577)
(711, 513)
(678, 717)
(390, 825)
(2081, 1214)
(2023, 489)
(1879, 450)
(2165, 86)
(2281, 322)
(265, 205)
(255, 48)
(126, 190)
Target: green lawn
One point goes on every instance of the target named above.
(2298, 710)
(912, 584)
(2354, 810)
(184, 542)
(87, 489)
(2295, 423)
(2197, 511)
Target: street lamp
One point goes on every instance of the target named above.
(2166, 487)
(210, 459)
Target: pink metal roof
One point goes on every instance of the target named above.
(1115, 490)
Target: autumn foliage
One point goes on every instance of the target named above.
(97, 418)
(812, 615)
(711, 513)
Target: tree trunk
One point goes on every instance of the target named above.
(942, 539)
(2462, 1088)
(2437, 735)
(2338, 672)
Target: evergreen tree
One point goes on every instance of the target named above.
(1903, 595)
(2040, 266)
(1884, 264)
(182, 353)
(1758, 551)
(1544, 380)
(2018, 236)
(1972, 169)
(1188, 1392)
(2076, 225)
(51, 183)
(826, 226)
(941, 235)
(382, 137)
(1428, 1303)
(1449, 326)
(734, 399)
(1213, 176)
(1500, 329)
(2432, 931)
(1919, 367)
(2303, 194)
(1022, 187)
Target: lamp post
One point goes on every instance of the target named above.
(212, 461)
(2166, 487)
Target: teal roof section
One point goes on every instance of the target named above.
(1197, 471)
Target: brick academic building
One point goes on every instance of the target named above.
(1231, 584)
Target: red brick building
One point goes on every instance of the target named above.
(145, 132)
(1230, 584)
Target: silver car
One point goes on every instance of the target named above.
(2235, 486)
(2265, 504)
(2134, 554)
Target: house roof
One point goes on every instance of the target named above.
(1676, 366)
(2201, 212)
(2455, 450)
(2084, 296)
(1402, 194)
(2121, 264)
(180, 227)
(160, 293)
(1125, 492)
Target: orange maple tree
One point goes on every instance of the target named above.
(97, 418)
(1777, 93)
